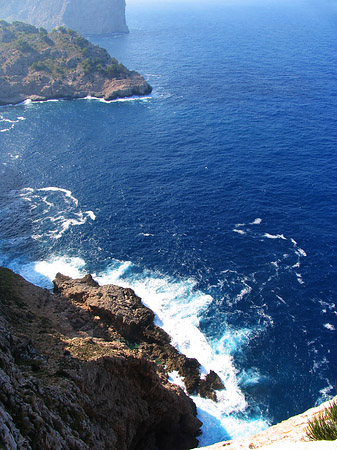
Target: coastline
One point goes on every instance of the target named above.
(125, 91)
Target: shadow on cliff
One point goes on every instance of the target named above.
(70, 381)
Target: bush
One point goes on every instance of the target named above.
(81, 42)
(62, 29)
(23, 46)
(46, 39)
(324, 426)
(40, 66)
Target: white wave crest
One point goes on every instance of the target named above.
(239, 231)
(275, 236)
(257, 221)
(9, 123)
(55, 211)
(134, 98)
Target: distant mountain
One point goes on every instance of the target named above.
(84, 16)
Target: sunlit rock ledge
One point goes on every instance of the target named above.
(287, 435)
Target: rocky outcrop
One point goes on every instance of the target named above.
(122, 312)
(84, 16)
(62, 64)
(290, 434)
(71, 379)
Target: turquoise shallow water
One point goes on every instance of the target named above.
(214, 198)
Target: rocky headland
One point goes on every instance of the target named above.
(86, 368)
(84, 16)
(38, 65)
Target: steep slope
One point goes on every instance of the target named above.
(70, 380)
(84, 16)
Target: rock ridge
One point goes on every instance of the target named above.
(86, 368)
(38, 65)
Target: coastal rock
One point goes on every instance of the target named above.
(84, 16)
(70, 381)
(61, 64)
(122, 311)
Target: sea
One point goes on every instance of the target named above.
(214, 198)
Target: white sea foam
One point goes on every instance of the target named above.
(118, 100)
(42, 273)
(239, 231)
(55, 210)
(275, 236)
(299, 278)
(329, 326)
(9, 123)
(257, 221)
(175, 378)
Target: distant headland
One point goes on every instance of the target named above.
(84, 16)
(38, 65)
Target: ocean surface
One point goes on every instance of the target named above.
(215, 197)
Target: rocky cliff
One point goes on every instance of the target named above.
(61, 64)
(86, 368)
(84, 16)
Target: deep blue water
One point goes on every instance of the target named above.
(215, 197)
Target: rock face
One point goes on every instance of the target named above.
(84, 368)
(122, 312)
(61, 64)
(84, 16)
(70, 380)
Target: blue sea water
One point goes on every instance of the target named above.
(215, 197)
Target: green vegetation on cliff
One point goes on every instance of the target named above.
(60, 52)
(324, 426)
(39, 65)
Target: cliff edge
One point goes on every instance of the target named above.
(86, 368)
(290, 434)
(84, 16)
(39, 65)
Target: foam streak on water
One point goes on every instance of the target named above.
(55, 210)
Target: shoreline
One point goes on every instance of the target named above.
(28, 100)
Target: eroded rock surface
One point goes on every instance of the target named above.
(122, 312)
(71, 379)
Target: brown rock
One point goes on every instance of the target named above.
(68, 381)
